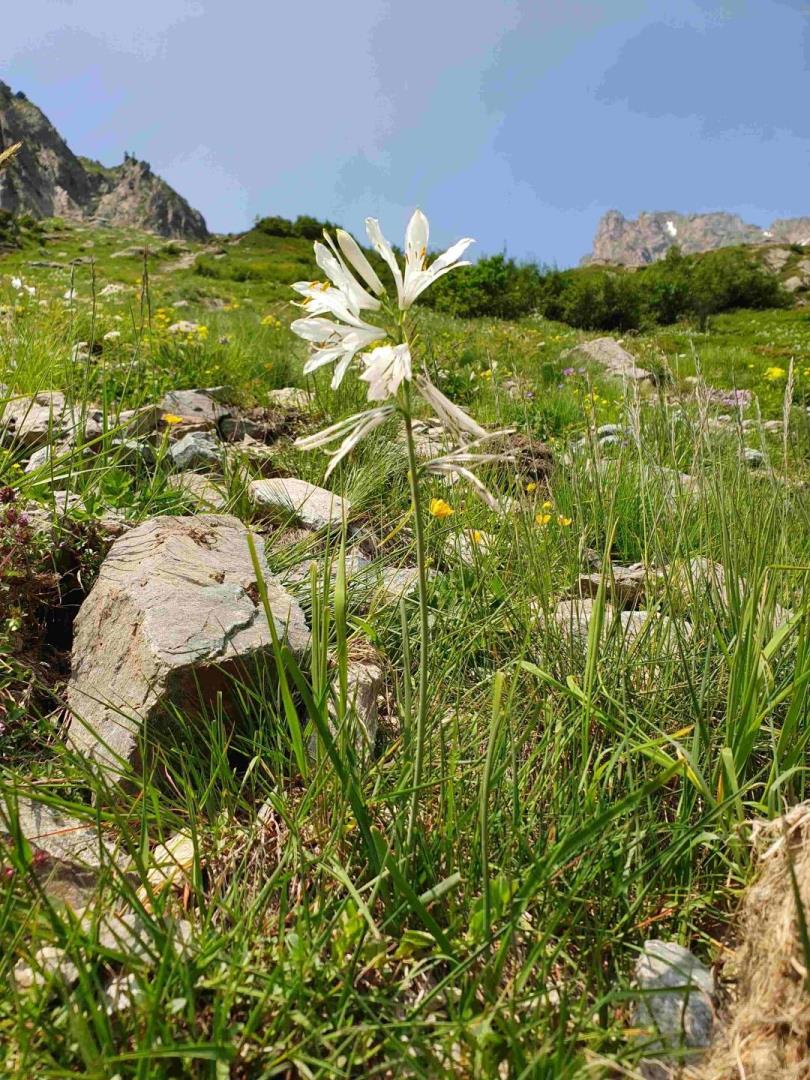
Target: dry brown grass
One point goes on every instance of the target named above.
(767, 1035)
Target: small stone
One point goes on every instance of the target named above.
(50, 964)
(365, 683)
(677, 1005)
(313, 506)
(753, 458)
(112, 289)
(289, 397)
(200, 488)
(69, 851)
(197, 450)
(132, 452)
(624, 585)
(469, 546)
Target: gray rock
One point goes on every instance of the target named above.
(175, 611)
(51, 964)
(204, 491)
(676, 1006)
(39, 459)
(69, 851)
(469, 546)
(199, 406)
(365, 677)
(610, 355)
(197, 450)
(112, 289)
(184, 326)
(288, 497)
(753, 458)
(355, 563)
(132, 452)
(289, 397)
(35, 421)
(234, 428)
(794, 283)
(572, 620)
(625, 585)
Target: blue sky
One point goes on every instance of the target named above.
(518, 122)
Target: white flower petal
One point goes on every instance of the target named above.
(383, 248)
(354, 253)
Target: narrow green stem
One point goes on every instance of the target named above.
(424, 629)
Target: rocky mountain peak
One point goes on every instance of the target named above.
(49, 180)
(628, 242)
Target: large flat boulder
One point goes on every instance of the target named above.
(174, 614)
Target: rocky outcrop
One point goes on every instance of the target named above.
(47, 179)
(174, 616)
(627, 242)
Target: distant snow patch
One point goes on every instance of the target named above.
(767, 233)
(671, 228)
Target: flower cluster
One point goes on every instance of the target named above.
(339, 332)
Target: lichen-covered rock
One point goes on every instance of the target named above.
(175, 611)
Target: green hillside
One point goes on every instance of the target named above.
(313, 906)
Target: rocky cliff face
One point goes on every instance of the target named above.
(649, 237)
(47, 179)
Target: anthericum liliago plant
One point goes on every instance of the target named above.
(382, 344)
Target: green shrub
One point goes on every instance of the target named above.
(603, 301)
(497, 287)
(304, 227)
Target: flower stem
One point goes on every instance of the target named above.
(424, 629)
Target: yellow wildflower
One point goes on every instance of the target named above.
(564, 521)
(531, 487)
(441, 509)
(547, 505)
(542, 519)
(170, 418)
(477, 536)
(773, 374)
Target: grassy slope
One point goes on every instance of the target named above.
(616, 785)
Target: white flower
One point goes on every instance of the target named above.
(31, 290)
(16, 284)
(338, 273)
(351, 431)
(69, 294)
(336, 342)
(387, 367)
(417, 276)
